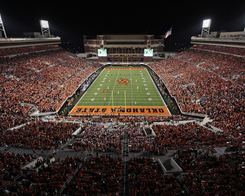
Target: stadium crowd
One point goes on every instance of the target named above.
(39, 135)
(201, 81)
(145, 177)
(205, 82)
(98, 176)
(6, 52)
(215, 48)
(205, 173)
(10, 168)
(44, 80)
(100, 138)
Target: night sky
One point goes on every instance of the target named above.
(72, 19)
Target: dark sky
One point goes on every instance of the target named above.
(72, 19)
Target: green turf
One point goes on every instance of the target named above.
(107, 91)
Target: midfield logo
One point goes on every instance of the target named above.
(123, 81)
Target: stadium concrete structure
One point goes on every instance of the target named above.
(125, 123)
(125, 48)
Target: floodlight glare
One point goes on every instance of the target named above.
(206, 23)
(44, 24)
(1, 21)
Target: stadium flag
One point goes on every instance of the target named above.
(168, 33)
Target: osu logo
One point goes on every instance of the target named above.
(123, 81)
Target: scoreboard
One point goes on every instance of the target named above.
(148, 52)
(102, 52)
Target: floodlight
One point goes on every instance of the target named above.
(45, 28)
(206, 23)
(2, 29)
(44, 24)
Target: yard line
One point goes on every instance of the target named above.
(89, 88)
(125, 98)
(131, 80)
(115, 82)
(158, 92)
(112, 98)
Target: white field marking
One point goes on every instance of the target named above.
(125, 98)
(158, 92)
(135, 80)
(95, 93)
(135, 103)
(102, 81)
(138, 98)
(150, 99)
(137, 87)
(145, 84)
(139, 94)
(118, 92)
(144, 81)
(148, 93)
(146, 89)
(115, 82)
(131, 87)
(139, 102)
(98, 89)
(92, 99)
(89, 88)
(101, 84)
(112, 98)
(108, 87)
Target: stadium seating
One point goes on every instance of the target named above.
(209, 83)
(88, 155)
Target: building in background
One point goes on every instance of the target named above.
(124, 48)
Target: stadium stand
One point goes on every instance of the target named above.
(115, 155)
(208, 83)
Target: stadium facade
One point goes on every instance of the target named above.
(125, 48)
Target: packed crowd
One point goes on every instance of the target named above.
(190, 135)
(49, 179)
(201, 82)
(39, 135)
(98, 138)
(6, 52)
(98, 176)
(209, 83)
(207, 174)
(146, 177)
(101, 138)
(229, 50)
(44, 80)
(10, 169)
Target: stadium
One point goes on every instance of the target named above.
(125, 116)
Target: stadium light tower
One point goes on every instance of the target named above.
(45, 28)
(206, 27)
(2, 29)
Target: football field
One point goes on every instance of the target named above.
(122, 91)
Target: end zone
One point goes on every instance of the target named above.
(120, 110)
